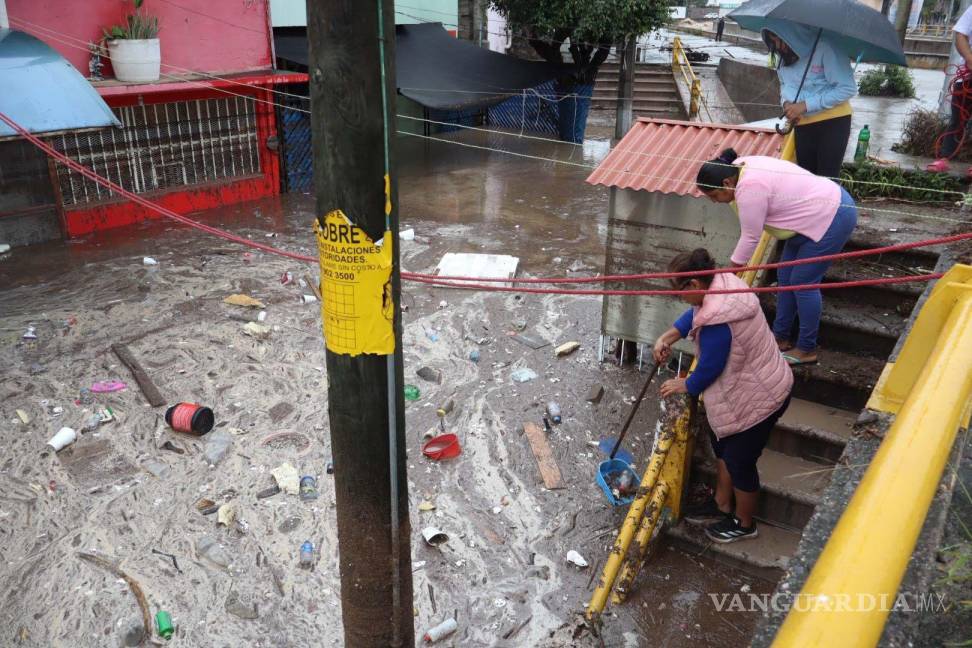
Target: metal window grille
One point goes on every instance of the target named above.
(162, 146)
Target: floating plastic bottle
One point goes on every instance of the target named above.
(553, 411)
(863, 143)
(441, 631)
(163, 623)
(307, 554)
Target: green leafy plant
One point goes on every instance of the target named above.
(589, 28)
(874, 181)
(887, 81)
(138, 26)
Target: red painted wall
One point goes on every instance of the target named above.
(205, 35)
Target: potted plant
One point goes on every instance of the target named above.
(134, 47)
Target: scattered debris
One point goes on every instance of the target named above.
(132, 584)
(530, 341)
(574, 558)
(258, 331)
(287, 278)
(22, 415)
(208, 547)
(168, 445)
(411, 392)
(441, 631)
(206, 506)
(444, 446)
(308, 299)
(745, 589)
(867, 417)
(226, 514)
(478, 266)
(515, 629)
(474, 355)
(175, 563)
(287, 478)
(307, 554)
(314, 285)
(329, 468)
(149, 261)
(566, 348)
(549, 470)
(156, 468)
(243, 300)
(434, 537)
(190, 418)
(4, 248)
(523, 374)
(268, 492)
(595, 394)
(426, 506)
(430, 375)
(238, 608)
(553, 411)
(217, 446)
(108, 386)
(519, 324)
(308, 488)
(248, 316)
(151, 392)
(30, 334)
(64, 437)
(407, 235)
(443, 304)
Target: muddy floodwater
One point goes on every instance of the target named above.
(129, 490)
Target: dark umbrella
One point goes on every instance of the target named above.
(864, 34)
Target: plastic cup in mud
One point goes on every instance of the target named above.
(307, 299)
(191, 418)
(64, 437)
(434, 537)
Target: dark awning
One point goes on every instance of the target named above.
(43, 92)
(442, 72)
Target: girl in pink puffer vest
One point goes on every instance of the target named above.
(743, 380)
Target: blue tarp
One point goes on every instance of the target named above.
(43, 92)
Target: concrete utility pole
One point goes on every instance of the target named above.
(626, 76)
(352, 91)
(954, 58)
(901, 20)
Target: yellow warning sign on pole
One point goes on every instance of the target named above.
(357, 309)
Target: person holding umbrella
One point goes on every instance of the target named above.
(816, 84)
(815, 42)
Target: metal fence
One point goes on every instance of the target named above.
(295, 138)
(162, 146)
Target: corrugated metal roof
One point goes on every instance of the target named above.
(42, 91)
(664, 155)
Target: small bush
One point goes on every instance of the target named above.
(920, 133)
(874, 181)
(889, 81)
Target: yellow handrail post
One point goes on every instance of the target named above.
(852, 587)
(696, 97)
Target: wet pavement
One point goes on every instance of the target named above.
(119, 492)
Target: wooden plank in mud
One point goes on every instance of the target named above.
(145, 383)
(549, 469)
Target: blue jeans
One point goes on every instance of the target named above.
(808, 304)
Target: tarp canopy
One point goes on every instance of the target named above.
(442, 72)
(42, 92)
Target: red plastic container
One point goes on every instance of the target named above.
(444, 446)
(190, 418)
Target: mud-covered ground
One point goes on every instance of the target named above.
(117, 491)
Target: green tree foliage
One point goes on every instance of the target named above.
(887, 81)
(590, 27)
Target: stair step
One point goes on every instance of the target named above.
(840, 380)
(766, 555)
(664, 92)
(850, 324)
(790, 486)
(812, 431)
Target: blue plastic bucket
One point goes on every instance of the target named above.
(607, 471)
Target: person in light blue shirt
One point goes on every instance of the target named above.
(821, 113)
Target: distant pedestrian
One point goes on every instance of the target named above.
(743, 380)
(961, 100)
(815, 216)
(720, 27)
(821, 114)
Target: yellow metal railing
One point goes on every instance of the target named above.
(854, 583)
(681, 65)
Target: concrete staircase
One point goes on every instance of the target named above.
(858, 331)
(655, 93)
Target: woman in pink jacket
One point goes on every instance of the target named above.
(745, 384)
(814, 215)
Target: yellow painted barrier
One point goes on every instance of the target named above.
(854, 583)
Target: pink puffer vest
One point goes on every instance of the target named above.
(756, 379)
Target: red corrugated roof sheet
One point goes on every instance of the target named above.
(665, 155)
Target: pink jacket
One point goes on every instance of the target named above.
(756, 379)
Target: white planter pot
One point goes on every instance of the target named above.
(135, 61)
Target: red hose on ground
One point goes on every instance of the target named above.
(450, 281)
(961, 97)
